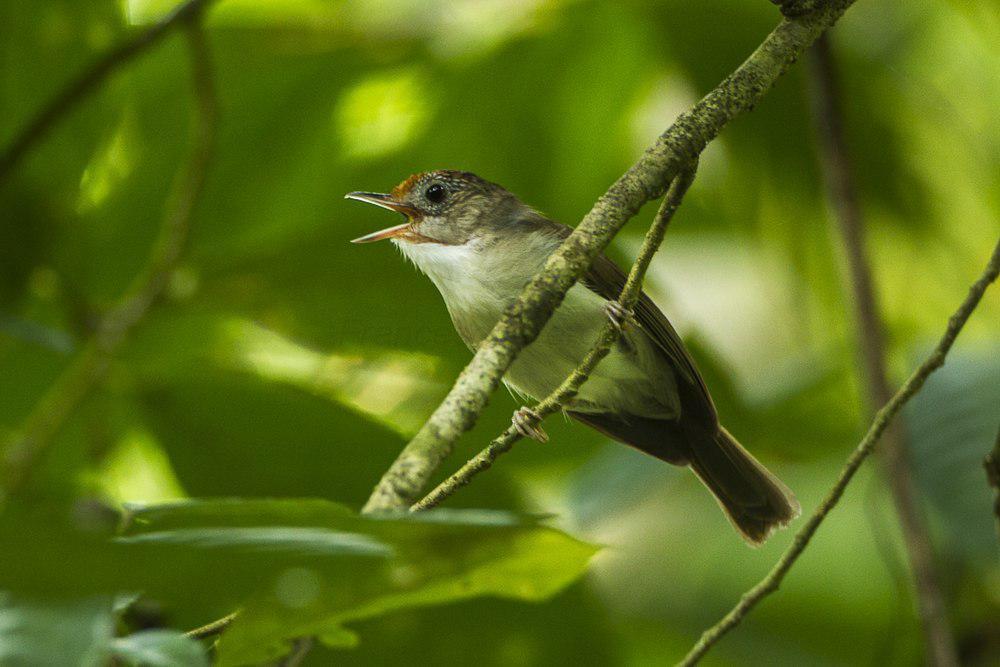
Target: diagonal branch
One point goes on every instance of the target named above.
(647, 179)
(571, 385)
(69, 97)
(843, 195)
(89, 367)
(883, 419)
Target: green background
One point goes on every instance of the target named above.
(286, 362)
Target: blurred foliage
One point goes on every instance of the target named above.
(286, 363)
(293, 567)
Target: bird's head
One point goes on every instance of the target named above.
(444, 207)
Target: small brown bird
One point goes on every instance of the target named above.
(480, 245)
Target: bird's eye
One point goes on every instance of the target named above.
(435, 193)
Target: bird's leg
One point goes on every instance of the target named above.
(618, 314)
(526, 421)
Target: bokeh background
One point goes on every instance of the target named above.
(285, 362)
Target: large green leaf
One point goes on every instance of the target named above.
(295, 567)
(950, 426)
(433, 558)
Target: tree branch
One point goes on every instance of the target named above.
(69, 97)
(91, 364)
(609, 335)
(992, 465)
(647, 179)
(843, 195)
(883, 418)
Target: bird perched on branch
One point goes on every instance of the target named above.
(480, 245)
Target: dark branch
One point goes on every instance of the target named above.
(843, 195)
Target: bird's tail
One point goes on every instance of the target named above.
(756, 502)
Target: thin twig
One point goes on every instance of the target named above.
(69, 97)
(299, 650)
(883, 418)
(214, 628)
(842, 191)
(647, 179)
(91, 364)
(609, 335)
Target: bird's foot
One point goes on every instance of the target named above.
(525, 421)
(618, 314)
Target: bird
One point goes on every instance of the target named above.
(479, 244)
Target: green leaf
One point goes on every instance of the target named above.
(950, 427)
(159, 648)
(436, 557)
(294, 567)
(530, 566)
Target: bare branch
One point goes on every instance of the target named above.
(843, 195)
(609, 335)
(69, 97)
(883, 418)
(91, 364)
(681, 143)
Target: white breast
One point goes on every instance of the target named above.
(458, 273)
(477, 290)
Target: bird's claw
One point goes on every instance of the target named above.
(618, 314)
(525, 421)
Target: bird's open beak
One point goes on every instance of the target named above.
(385, 201)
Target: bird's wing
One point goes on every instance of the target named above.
(606, 279)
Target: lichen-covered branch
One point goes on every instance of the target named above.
(883, 419)
(46, 419)
(843, 195)
(647, 179)
(70, 96)
(569, 388)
